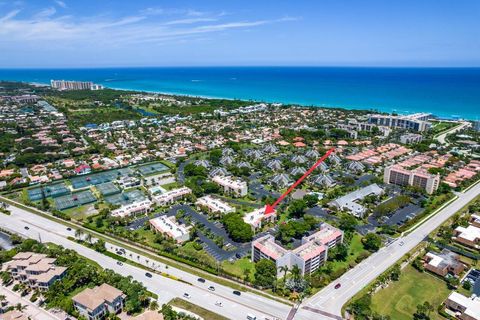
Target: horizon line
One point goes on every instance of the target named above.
(243, 66)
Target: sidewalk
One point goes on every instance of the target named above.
(32, 310)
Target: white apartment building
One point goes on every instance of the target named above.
(168, 226)
(214, 205)
(465, 308)
(232, 186)
(137, 207)
(308, 257)
(257, 217)
(171, 196)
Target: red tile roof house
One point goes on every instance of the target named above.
(83, 169)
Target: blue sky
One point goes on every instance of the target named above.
(96, 33)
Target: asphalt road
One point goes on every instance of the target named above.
(442, 137)
(330, 300)
(234, 307)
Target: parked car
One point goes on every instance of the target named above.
(186, 295)
(201, 280)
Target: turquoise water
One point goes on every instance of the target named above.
(445, 92)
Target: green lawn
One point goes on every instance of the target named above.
(204, 313)
(354, 250)
(400, 299)
(238, 267)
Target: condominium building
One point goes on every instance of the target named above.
(37, 271)
(416, 178)
(258, 217)
(309, 256)
(410, 138)
(214, 205)
(469, 236)
(232, 186)
(416, 122)
(96, 303)
(475, 220)
(168, 226)
(443, 263)
(350, 201)
(171, 196)
(74, 85)
(465, 308)
(137, 207)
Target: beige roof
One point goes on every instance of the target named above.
(47, 276)
(14, 315)
(22, 255)
(93, 298)
(149, 315)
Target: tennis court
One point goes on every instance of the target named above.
(151, 168)
(98, 178)
(53, 190)
(74, 200)
(126, 197)
(108, 188)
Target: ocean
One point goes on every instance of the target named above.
(445, 92)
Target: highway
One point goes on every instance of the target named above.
(326, 304)
(330, 300)
(233, 307)
(442, 137)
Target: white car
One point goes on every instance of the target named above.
(186, 295)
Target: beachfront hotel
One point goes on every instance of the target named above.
(416, 178)
(309, 256)
(416, 122)
(74, 85)
(232, 186)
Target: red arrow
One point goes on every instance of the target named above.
(271, 208)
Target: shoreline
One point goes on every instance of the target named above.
(357, 109)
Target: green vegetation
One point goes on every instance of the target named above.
(186, 305)
(400, 299)
(237, 229)
(392, 205)
(81, 273)
(265, 273)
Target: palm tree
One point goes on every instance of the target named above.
(78, 233)
(88, 238)
(296, 272)
(153, 305)
(284, 269)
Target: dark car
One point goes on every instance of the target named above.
(27, 228)
(119, 263)
(236, 292)
(338, 285)
(69, 229)
(211, 288)
(201, 280)
(148, 275)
